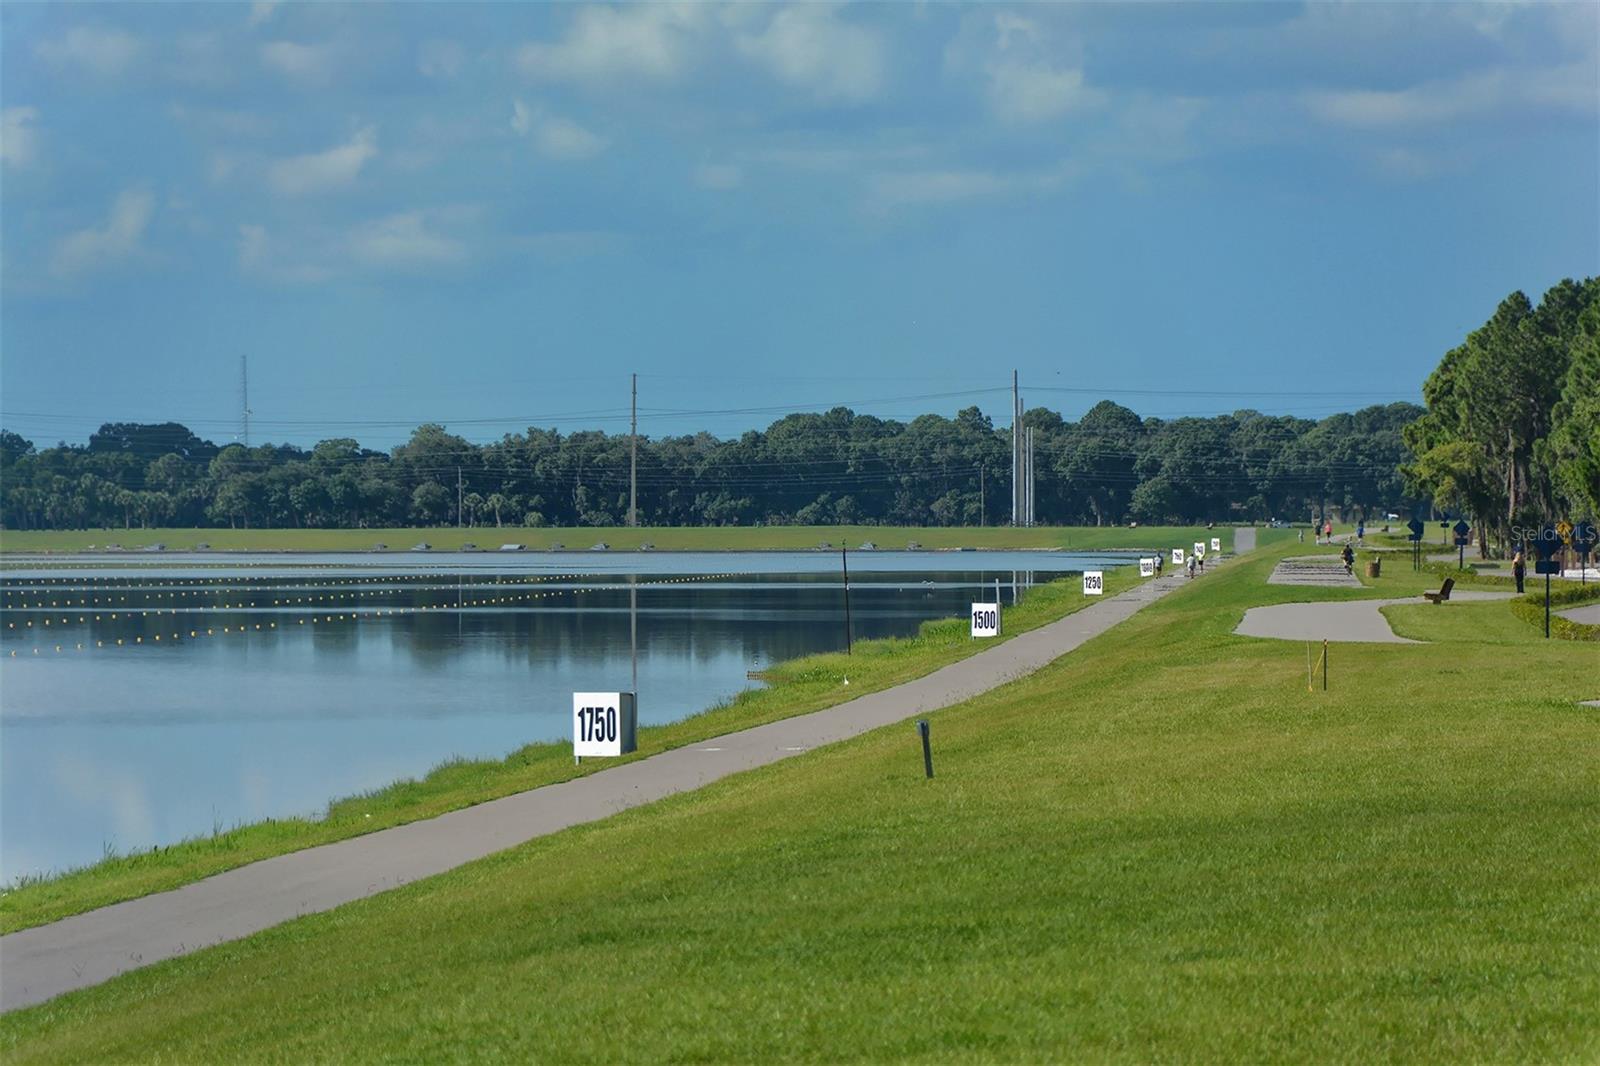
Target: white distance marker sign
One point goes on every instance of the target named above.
(1094, 583)
(1177, 556)
(986, 619)
(1216, 544)
(604, 723)
(1199, 549)
(1147, 567)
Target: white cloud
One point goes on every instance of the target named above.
(221, 166)
(305, 65)
(1574, 87)
(920, 188)
(322, 171)
(222, 122)
(202, 59)
(440, 59)
(521, 118)
(603, 44)
(262, 256)
(835, 158)
(261, 11)
(404, 241)
(718, 176)
(562, 245)
(807, 47)
(89, 249)
(555, 137)
(1027, 78)
(100, 51)
(19, 141)
(1028, 92)
(407, 242)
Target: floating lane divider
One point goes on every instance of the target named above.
(154, 589)
(354, 615)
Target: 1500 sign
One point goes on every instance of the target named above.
(986, 619)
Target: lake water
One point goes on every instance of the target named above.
(313, 677)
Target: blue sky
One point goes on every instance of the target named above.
(489, 215)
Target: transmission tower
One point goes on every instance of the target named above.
(244, 400)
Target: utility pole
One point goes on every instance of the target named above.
(458, 497)
(982, 498)
(1027, 475)
(1030, 477)
(633, 457)
(1016, 455)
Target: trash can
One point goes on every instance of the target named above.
(1373, 566)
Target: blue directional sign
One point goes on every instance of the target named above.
(1546, 543)
(1416, 528)
(1584, 538)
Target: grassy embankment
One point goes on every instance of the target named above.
(1160, 847)
(672, 538)
(794, 687)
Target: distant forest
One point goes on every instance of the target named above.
(1510, 436)
(1111, 466)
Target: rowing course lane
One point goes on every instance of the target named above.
(37, 964)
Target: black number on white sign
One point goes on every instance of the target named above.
(597, 723)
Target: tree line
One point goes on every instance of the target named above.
(1511, 434)
(1110, 466)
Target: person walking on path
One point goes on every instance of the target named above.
(1519, 569)
(1349, 558)
(1191, 568)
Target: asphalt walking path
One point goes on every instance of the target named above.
(1342, 621)
(1589, 615)
(37, 964)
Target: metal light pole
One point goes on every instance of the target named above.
(844, 560)
(633, 457)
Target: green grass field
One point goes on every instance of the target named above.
(714, 538)
(794, 687)
(1162, 847)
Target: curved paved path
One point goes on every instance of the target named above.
(1344, 621)
(36, 964)
(1588, 615)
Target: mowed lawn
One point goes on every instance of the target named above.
(1162, 847)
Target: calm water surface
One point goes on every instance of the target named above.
(125, 747)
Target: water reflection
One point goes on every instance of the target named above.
(298, 688)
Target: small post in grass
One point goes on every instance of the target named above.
(1324, 666)
(927, 748)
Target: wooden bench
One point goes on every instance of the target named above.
(1443, 593)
